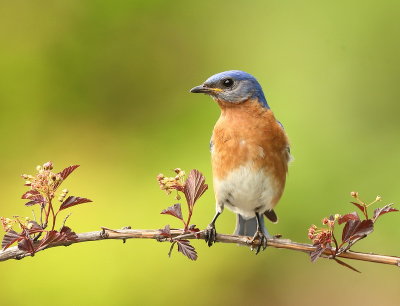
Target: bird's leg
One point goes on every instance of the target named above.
(260, 234)
(210, 233)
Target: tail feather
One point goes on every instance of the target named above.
(271, 216)
(248, 227)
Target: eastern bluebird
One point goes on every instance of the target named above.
(249, 151)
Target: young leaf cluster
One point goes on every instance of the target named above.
(192, 188)
(43, 190)
(355, 228)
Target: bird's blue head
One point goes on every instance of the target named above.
(232, 86)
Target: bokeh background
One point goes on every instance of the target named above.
(105, 84)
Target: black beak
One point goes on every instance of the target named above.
(201, 89)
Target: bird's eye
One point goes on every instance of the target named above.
(227, 83)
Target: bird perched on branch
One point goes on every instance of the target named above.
(250, 154)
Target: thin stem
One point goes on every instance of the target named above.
(171, 248)
(187, 223)
(47, 214)
(336, 243)
(366, 211)
(65, 219)
(34, 215)
(54, 216)
(188, 235)
(41, 215)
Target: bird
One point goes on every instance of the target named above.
(250, 153)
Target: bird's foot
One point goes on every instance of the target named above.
(262, 241)
(210, 234)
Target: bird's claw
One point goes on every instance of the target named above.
(210, 234)
(262, 241)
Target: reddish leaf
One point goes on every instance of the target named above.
(26, 245)
(30, 194)
(349, 228)
(194, 187)
(187, 249)
(174, 210)
(366, 227)
(347, 217)
(34, 202)
(166, 231)
(68, 234)
(72, 201)
(67, 171)
(356, 229)
(317, 253)
(384, 210)
(362, 208)
(65, 235)
(34, 196)
(9, 238)
(346, 265)
(50, 237)
(34, 227)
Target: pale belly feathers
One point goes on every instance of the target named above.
(246, 191)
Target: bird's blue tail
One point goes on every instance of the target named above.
(248, 227)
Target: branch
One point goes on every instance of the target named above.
(105, 234)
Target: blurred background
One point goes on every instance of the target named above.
(104, 84)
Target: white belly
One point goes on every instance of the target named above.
(246, 191)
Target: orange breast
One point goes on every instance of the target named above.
(249, 134)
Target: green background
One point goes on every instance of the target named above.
(104, 84)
